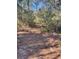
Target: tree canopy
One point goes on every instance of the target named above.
(46, 13)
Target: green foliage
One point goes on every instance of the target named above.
(48, 20)
(25, 17)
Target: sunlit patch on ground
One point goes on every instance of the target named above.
(33, 45)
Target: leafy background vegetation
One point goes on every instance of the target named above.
(45, 14)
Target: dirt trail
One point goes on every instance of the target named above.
(32, 44)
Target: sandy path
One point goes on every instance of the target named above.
(32, 44)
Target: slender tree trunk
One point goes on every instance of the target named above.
(28, 5)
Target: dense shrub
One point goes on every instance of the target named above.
(48, 19)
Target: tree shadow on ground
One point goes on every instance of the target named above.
(29, 44)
